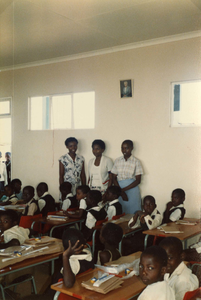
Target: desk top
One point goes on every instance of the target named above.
(53, 222)
(187, 231)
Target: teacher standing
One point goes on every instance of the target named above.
(127, 171)
(71, 166)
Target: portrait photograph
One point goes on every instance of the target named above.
(126, 88)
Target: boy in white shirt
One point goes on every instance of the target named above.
(175, 208)
(178, 276)
(152, 267)
(11, 197)
(114, 206)
(81, 194)
(69, 201)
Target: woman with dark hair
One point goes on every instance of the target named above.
(71, 166)
(99, 168)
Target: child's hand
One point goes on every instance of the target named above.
(72, 250)
(142, 220)
(169, 205)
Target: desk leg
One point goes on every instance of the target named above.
(52, 267)
(2, 292)
(56, 295)
(145, 241)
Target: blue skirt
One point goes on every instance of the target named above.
(134, 198)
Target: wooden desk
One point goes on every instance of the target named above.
(130, 288)
(57, 223)
(187, 231)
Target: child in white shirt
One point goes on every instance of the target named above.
(69, 201)
(152, 268)
(81, 194)
(175, 208)
(114, 207)
(178, 276)
(11, 197)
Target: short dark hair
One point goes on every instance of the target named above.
(43, 187)
(73, 235)
(99, 143)
(10, 187)
(70, 139)
(129, 142)
(16, 180)
(8, 153)
(95, 196)
(65, 186)
(158, 253)
(115, 190)
(84, 188)
(179, 192)
(112, 234)
(151, 198)
(172, 242)
(30, 189)
(12, 214)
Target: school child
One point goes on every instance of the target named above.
(46, 202)
(175, 208)
(17, 184)
(114, 206)
(81, 194)
(152, 267)
(193, 253)
(11, 197)
(32, 204)
(94, 213)
(69, 201)
(110, 235)
(12, 234)
(149, 218)
(178, 276)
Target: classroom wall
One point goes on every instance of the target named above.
(170, 156)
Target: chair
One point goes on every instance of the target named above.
(191, 295)
(97, 227)
(26, 222)
(118, 216)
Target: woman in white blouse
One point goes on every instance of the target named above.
(99, 168)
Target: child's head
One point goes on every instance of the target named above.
(81, 192)
(65, 189)
(73, 235)
(93, 198)
(98, 147)
(149, 204)
(42, 187)
(174, 249)
(17, 184)
(113, 192)
(178, 197)
(126, 148)
(8, 219)
(8, 156)
(71, 144)
(111, 234)
(9, 190)
(28, 193)
(153, 262)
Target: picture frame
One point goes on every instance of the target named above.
(126, 90)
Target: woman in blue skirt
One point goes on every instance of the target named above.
(127, 171)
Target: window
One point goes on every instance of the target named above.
(186, 104)
(68, 111)
(5, 125)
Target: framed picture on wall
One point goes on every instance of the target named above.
(126, 90)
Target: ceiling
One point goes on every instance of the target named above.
(32, 31)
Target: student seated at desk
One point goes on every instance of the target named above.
(17, 185)
(69, 201)
(12, 234)
(178, 276)
(175, 208)
(149, 218)
(11, 197)
(31, 208)
(193, 253)
(114, 206)
(46, 202)
(81, 194)
(152, 267)
(94, 213)
(110, 235)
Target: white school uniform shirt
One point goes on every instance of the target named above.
(90, 220)
(111, 211)
(13, 199)
(41, 202)
(67, 202)
(181, 280)
(154, 222)
(157, 291)
(176, 215)
(16, 232)
(83, 204)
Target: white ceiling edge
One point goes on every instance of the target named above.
(163, 40)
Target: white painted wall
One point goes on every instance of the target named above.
(170, 156)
